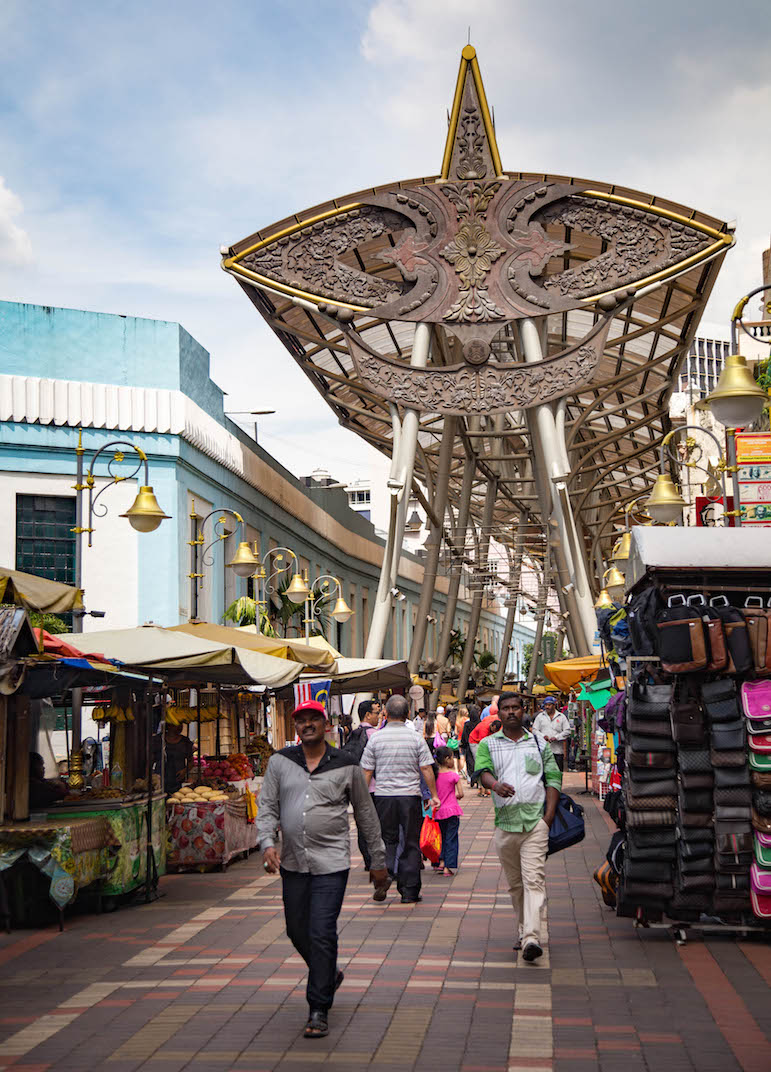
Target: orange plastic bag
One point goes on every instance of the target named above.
(431, 840)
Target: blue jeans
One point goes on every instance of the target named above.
(312, 904)
(449, 828)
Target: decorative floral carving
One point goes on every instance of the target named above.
(310, 259)
(639, 242)
(464, 389)
(471, 144)
(470, 197)
(472, 253)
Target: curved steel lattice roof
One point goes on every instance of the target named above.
(616, 280)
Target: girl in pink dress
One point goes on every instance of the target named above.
(449, 789)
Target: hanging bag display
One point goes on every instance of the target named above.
(682, 638)
(757, 630)
(760, 742)
(760, 879)
(686, 720)
(728, 736)
(737, 642)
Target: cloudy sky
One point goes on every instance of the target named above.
(137, 138)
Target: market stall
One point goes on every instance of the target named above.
(695, 743)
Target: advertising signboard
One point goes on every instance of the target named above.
(753, 455)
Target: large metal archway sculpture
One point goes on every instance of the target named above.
(493, 318)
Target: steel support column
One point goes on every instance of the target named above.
(434, 543)
(515, 567)
(550, 450)
(458, 537)
(543, 601)
(476, 601)
(400, 485)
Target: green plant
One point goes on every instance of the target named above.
(50, 622)
(243, 611)
(486, 662)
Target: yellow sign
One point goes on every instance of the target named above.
(753, 447)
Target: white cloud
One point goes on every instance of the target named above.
(15, 245)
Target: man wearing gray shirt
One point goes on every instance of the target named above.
(396, 757)
(307, 790)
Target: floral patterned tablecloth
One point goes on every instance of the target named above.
(204, 835)
(72, 852)
(128, 823)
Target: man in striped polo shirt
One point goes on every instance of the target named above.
(396, 756)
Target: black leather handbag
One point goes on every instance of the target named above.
(657, 760)
(694, 761)
(682, 637)
(695, 781)
(652, 727)
(728, 776)
(695, 799)
(651, 744)
(761, 801)
(737, 642)
(661, 787)
(687, 723)
(648, 701)
(728, 736)
(658, 838)
(733, 863)
(740, 842)
(740, 795)
(695, 865)
(695, 850)
(732, 812)
(720, 700)
(736, 758)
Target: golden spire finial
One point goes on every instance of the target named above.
(471, 151)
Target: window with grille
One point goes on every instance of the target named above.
(45, 542)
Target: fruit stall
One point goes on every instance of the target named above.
(211, 822)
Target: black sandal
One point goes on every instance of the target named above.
(317, 1026)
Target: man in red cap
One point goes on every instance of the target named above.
(307, 790)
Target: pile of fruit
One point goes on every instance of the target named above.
(235, 768)
(202, 794)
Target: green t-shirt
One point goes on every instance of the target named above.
(523, 764)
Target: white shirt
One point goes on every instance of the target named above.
(557, 727)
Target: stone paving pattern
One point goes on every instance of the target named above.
(205, 979)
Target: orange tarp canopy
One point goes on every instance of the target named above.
(570, 672)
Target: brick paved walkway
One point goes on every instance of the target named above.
(205, 979)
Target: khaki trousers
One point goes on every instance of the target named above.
(523, 859)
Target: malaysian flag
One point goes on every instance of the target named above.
(312, 690)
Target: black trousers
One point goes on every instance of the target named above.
(312, 904)
(405, 815)
(559, 760)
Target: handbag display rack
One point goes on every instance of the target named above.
(695, 752)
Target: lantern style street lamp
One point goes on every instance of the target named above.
(243, 562)
(341, 611)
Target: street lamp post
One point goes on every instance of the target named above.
(341, 611)
(282, 558)
(144, 515)
(665, 503)
(243, 562)
(738, 400)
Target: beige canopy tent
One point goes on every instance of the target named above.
(177, 656)
(361, 675)
(38, 593)
(309, 654)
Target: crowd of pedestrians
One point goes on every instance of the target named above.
(394, 771)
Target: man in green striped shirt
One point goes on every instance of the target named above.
(525, 782)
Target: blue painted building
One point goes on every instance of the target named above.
(147, 382)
